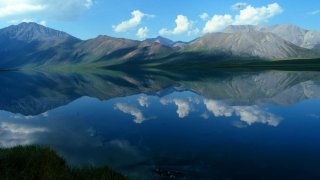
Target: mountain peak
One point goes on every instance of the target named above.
(161, 40)
(242, 28)
(32, 24)
(161, 37)
(30, 31)
(287, 28)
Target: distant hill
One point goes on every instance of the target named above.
(161, 40)
(111, 50)
(167, 42)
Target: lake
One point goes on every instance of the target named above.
(224, 124)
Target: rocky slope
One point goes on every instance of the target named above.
(249, 43)
(301, 37)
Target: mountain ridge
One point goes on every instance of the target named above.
(33, 31)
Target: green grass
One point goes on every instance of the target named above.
(38, 162)
(207, 63)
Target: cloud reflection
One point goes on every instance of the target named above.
(183, 106)
(135, 112)
(144, 101)
(247, 114)
(218, 109)
(18, 134)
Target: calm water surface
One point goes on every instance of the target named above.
(222, 125)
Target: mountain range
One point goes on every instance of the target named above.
(34, 45)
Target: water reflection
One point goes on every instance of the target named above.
(247, 114)
(133, 111)
(182, 105)
(223, 125)
(33, 93)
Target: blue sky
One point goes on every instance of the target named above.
(140, 19)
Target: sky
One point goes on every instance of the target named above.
(140, 19)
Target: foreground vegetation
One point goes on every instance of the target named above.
(37, 162)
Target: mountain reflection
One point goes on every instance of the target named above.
(34, 93)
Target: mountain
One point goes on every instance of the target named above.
(167, 42)
(250, 43)
(105, 48)
(309, 39)
(29, 32)
(161, 40)
(31, 44)
(180, 44)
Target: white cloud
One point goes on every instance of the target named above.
(135, 112)
(135, 20)
(249, 15)
(66, 9)
(217, 22)
(10, 8)
(18, 21)
(57, 9)
(183, 25)
(204, 16)
(144, 101)
(313, 13)
(252, 15)
(238, 6)
(247, 114)
(142, 32)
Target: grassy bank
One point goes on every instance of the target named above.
(38, 162)
(209, 65)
